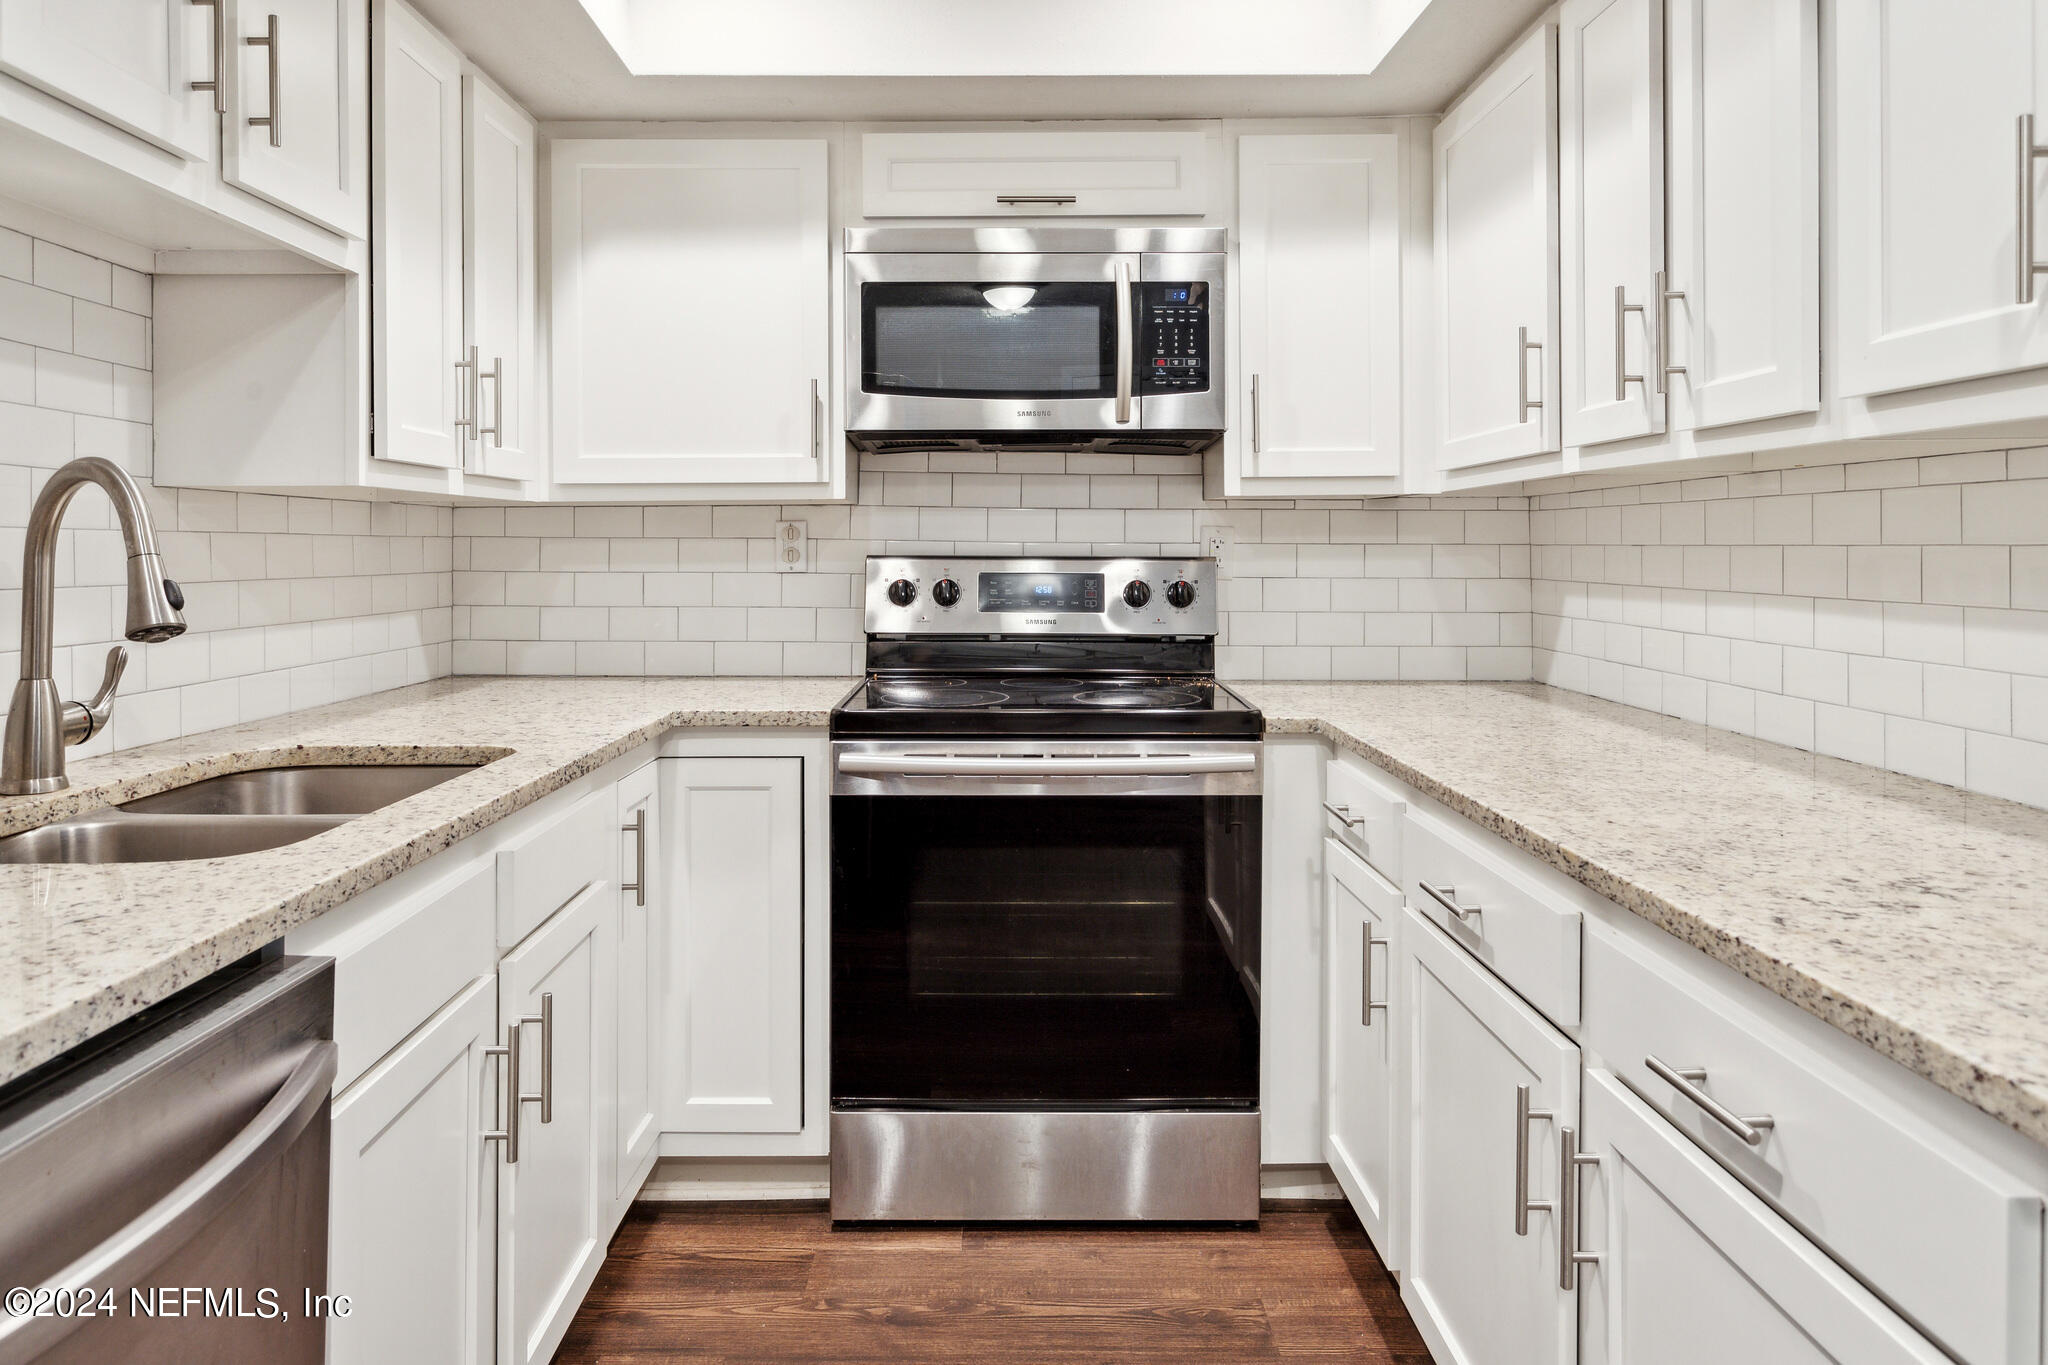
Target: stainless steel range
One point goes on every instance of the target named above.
(1045, 899)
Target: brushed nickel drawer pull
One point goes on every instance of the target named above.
(1447, 897)
(1014, 199)
(1687, 1081)
(1344, 816)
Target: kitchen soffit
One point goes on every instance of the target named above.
(952, 59)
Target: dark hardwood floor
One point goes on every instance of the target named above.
(777, 1282)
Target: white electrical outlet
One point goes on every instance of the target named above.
(1216, 543)
(792, 547)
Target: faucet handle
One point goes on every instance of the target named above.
(83, 721)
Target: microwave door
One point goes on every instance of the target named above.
(994, 342)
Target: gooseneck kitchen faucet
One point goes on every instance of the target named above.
(39, 724)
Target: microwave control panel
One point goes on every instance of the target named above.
(1173, 347)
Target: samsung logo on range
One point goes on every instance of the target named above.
(1041, 620)
(1034, 412)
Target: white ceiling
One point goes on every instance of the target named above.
(553, 58)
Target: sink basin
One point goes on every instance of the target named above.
(333, 790)
(223, 816)
(112, 836)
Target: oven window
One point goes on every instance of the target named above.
(1044, 952)
(989, 341)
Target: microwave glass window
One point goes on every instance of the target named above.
(1009, 340)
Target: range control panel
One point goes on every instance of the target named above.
(993, 598)
(1173, 347)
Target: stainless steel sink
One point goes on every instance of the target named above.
(114, 836)
(223, 816)
(335, 790)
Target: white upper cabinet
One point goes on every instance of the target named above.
(1741, 307)
(131, 62)
(1610, 66)
(423, 388)
(1496, 247)
(1935, 199)
(501, 256)
(1319, 285)
(1037, 173)
(297, 109)
(1695, 1270)
(691, 292)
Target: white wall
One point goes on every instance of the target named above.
(1893, 612)
(1405, 588)
(290, 602)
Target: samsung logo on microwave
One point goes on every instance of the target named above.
(1034, 412)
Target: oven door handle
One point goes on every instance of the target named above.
(1035, 765)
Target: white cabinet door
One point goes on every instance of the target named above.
(1362, 1013)
(130, 62)
(691, 298)
(414, 1195)
(733, 835)
(1695, 1270)
(1610, 129)
(298, 128)
(1481, 1292)
(1319, 289)
(498, 239)
(638, 1056)
(1496, 246)
(555, 1202)
(1930, 191)
(423, 388)
(1742, 311)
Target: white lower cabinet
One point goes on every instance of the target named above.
(1693, 1269)
(735, 1009)
(638, 1054)
(414, 1195)
(554, 1202)
(1361, 913)
(1482, 1277)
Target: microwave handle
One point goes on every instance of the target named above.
(1124, 343)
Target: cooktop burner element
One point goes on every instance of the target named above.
(1085, 663)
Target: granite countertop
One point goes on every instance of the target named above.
(83, 947)
(1905, 913)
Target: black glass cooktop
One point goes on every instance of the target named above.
(1044, 704)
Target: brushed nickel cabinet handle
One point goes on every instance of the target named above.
(638, 829)
(465, 394)
(1665, 295)
(218, 86)
(1569, 1257)
(547, 1056)
(274, 120)
(2030, 152)
(1255, 414)
(1366, 1003)
(1622, 308)
(1524, 1205)
(1447, 897)
(506, 1134)
(817, 435)
(1687, 1081)
(496, 376)
(1344, 815)
(1013, 199)
(1123, 341)
(1522, 348)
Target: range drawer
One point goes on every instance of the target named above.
(1500, 913)
(1951, 1239)
(1362, 811)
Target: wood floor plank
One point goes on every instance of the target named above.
(723, 1284)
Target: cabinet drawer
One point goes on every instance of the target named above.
(541, 870)
(1034, 174)
(1362, 811)
(1952, 1240)
(400, 952)
(1509, 920)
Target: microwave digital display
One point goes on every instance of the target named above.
(1041, 592)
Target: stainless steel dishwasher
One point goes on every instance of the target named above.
(163, 1191)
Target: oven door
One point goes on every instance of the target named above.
(1035, 925)
(995, 342)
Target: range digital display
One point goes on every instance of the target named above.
(1041, 592)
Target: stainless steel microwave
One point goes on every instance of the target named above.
(1104, 339)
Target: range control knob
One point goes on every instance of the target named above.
(1137, 593)
(903, 592)
(1181, 593)
(945, 592)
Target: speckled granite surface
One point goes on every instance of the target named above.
(1910, 915)
(82, 948)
